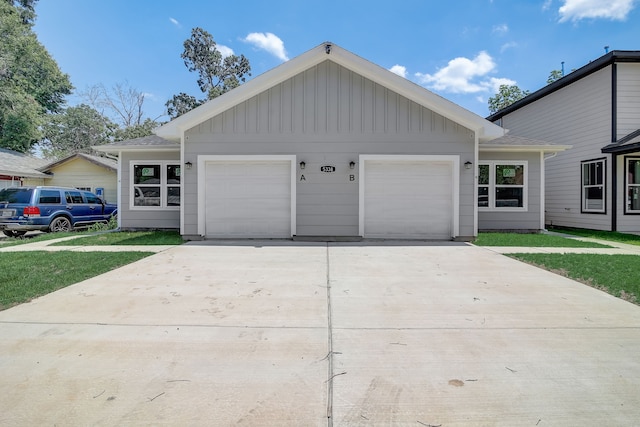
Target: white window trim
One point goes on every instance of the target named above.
(583, 187)
(492, 186)
(163, 185)
(627, 185)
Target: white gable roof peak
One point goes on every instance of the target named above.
(329, 51)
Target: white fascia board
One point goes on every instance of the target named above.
(129, 149)
(484, 128)
(524, 148)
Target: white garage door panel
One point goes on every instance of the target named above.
(248, 199)
(408, 199)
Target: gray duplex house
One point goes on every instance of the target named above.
(595, 109)
(330, 144)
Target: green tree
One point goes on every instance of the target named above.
(554, 75)
(136, 131)
(217, 74)
(31, 84)
(75, 131)
(507, 95)
(180, 104)
(26, 9)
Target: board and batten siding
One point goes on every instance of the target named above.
(328, 115)
(150, 218)
(80, 172)
(521, 220)
(577, 115)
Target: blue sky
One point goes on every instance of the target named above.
(459, 49)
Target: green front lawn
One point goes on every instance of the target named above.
(126, 238)
(532, 240)
(612, 236)
(618, 275)
(27, 275)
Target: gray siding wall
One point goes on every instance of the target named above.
(577, 115)
(142, 219)
(628, 116)
(328, 115)
(525, 220)
(628, 97)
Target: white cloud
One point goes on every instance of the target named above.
(224, 50)
(269, 42)
(175, 22)
(615, 10)
(500, 30)
(493, 84)
(508, 45)
(399, 70)
(547, 4)
(461, 75)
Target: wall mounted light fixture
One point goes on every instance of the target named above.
(468, 164)
(302, 165)
(188, 165)
(352, 165)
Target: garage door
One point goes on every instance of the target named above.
(408, 199)
(248, 199)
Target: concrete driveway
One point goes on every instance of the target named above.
(316, 334)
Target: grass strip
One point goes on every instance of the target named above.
(532, 240)
(28, 275)
(33, 238)
(126, 238)
(617, 275)
(612, 236)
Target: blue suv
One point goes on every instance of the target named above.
(42, 208)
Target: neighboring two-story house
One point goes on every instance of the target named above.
(595, 109)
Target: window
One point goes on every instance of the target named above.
(49, 197)
(633, 185)
(593, 175)
(73, 197)
(92, 199)
(502, 185)
(155, 185)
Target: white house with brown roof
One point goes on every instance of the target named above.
(329, 144)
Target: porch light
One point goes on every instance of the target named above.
(352, 165)
(188, 165)
(302, 165)
(468, 164)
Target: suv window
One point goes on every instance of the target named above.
(16, 195)
(92, 199)
(49, 197)
(73, 197)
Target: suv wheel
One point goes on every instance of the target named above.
(60, 223)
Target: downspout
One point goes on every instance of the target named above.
(614, 137)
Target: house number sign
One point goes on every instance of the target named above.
(327, 169)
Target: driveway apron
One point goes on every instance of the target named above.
(317, 334)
